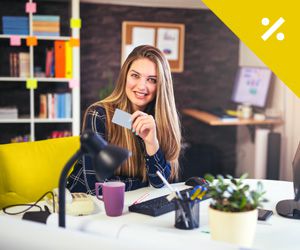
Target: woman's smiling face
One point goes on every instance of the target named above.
(141, 83)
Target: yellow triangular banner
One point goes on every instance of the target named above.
(270, 28)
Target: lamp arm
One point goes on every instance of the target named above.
(62, 186)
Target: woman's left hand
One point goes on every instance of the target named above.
(144, 126)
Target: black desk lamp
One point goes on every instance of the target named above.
(106, 158)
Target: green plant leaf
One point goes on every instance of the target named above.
(210, 178)
(233, 195)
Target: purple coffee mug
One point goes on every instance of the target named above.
(112, 196)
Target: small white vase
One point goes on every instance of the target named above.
(233, 227)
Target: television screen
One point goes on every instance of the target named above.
(252, 86)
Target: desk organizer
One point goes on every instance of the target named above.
(186, 214)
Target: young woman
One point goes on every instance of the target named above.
(145, 90)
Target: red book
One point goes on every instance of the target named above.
(49, 61)
(60, 58)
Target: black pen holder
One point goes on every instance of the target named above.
(186, 214)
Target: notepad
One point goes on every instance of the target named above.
(122, 118)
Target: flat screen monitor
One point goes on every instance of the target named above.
(291, 208)
(252, 86)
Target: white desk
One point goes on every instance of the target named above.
(137, 231)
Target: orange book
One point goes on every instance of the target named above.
(60, 58)
(43, 106)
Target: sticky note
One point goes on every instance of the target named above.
(122, 118)
(31, 41)
(30, 7)
(74, 83)
(15, 40)
(31, 83)
(74, 42)
(75, 23)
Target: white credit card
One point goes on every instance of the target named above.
(122, 118)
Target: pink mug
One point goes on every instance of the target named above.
(112, 196)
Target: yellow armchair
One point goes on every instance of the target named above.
(29, 169)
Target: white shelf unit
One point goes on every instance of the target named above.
(75, 92)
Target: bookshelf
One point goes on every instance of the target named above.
(40, 128)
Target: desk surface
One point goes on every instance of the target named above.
(216, 121)
(277, 233)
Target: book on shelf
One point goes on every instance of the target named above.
(49, 64)
(43, 106)
(24, 65)
(55, 105)
(20, 138)
(42, 24)
(46, 18)
(58, 134)
(60, 58)
(19, 65)
(15, 25)
(14, 64)
(8, 113)
(39, 33)
(45, 25)
(68, 105)
(69, 58)
(51, 110)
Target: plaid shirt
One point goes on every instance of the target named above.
(83, 177)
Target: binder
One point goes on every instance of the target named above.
(60, 58)
(69, 64)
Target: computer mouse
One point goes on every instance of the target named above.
(195, 181)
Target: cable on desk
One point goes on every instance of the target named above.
(29, 205)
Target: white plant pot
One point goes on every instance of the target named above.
(237, 228)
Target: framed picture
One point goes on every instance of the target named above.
(168, 37)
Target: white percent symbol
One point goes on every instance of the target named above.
(265, 21)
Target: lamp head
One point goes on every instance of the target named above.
(106, 158)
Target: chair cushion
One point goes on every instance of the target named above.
(11, 198)
(30, 169)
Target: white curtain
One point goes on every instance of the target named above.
(285, 103)
(290, 133)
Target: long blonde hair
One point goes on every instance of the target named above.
(162, 108)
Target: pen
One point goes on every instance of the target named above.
(168, 184)
(198, 192)
(178, 196)
(141, 198)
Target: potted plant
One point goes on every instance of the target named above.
(233, 209)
